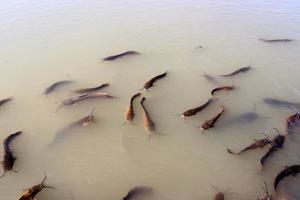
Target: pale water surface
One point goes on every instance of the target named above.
(46, 41)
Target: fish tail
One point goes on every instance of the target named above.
(58, 108)
(3, 174)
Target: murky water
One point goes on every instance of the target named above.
(43, 42)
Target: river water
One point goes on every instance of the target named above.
(46, 41)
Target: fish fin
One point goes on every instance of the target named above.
(230, 151)
(15, 171)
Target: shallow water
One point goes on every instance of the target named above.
(43, 42)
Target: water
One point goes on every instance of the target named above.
(43, 42)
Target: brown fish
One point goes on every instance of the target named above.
(9, 158)
(194, 111)
(127, 53)
(85, 121)
(257, 144)
(150, 83)
(148, 123)
(238, 71)
(223, 88)
(219, 196)
(63, 133)
(52, 87)
(93, 89)
(30, 193)
(137, 191)
(74, 100)
(130, 113)
(275, 40)
(5, 100)
(292, 121)
(277, 143)
(210, 123)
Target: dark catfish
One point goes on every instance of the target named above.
(137, 191)
(5, 100)
(150, 83)
(30, 193)
(275, 40)
(280, 103)
(93, 89)
(238, 71)
(56, 85)
(257, 144)
(223, 88)
(276, 144)
(288, 171)
(9, 158)
(247, 117)
(210, 123)
(194, 111)
(127, 53)
(130, 112)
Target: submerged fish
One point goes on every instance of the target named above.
(127, 53)
(83, 122)
(8, 158)
(275, 40)
(5, 100)
(238, 71)
(137, 191)
(55, 85)
(281, 103)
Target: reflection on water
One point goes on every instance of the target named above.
(45, 42)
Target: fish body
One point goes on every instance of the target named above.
(55, 85)
(275, 40)
(114, 57)
(289, 171)
(129, 115)
(238, 71)
(223, 88)
(93, 89)
(5, 100)
(8, 157)
(257, 144)
(150, 83)
(30, 193)
(210, 123)
(194, 111)
(148, 123)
